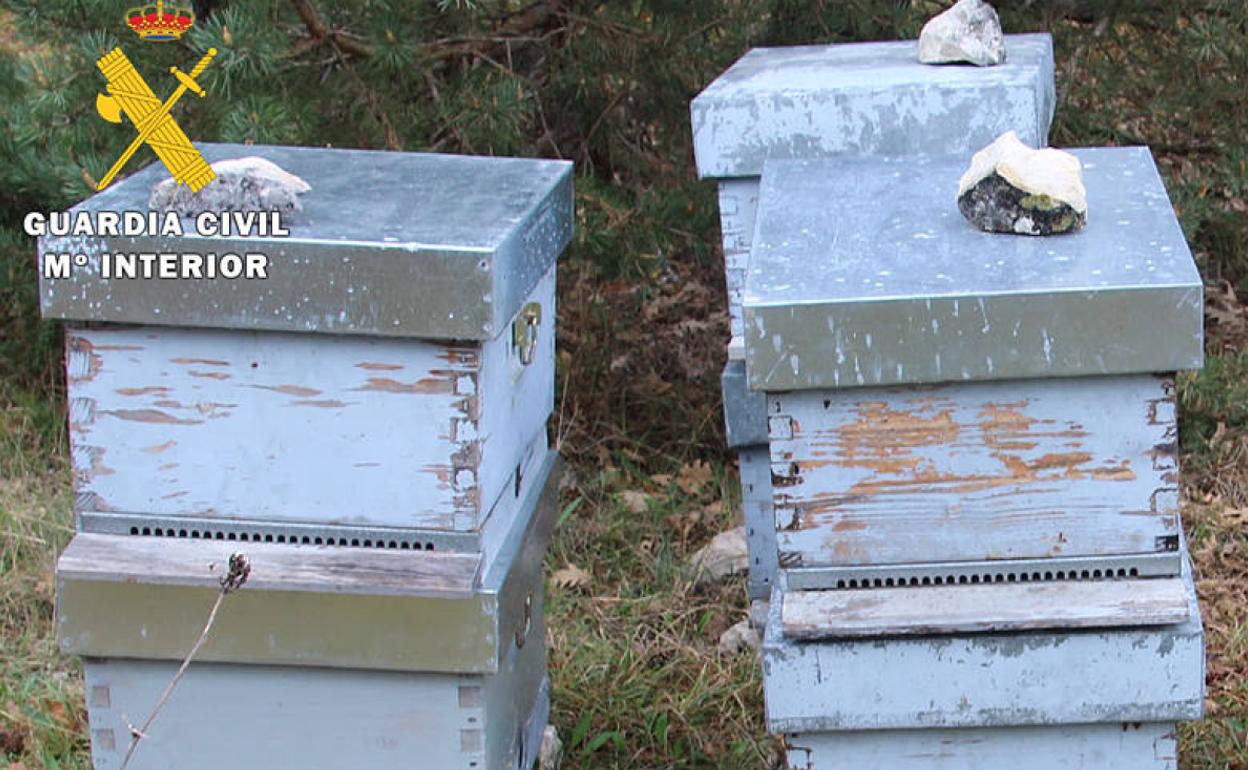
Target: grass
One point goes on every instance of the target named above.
(637, 679)
(42, 716)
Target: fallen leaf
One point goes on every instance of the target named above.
(635, 501)
(58, 711)
(571, 576)
(694, 477)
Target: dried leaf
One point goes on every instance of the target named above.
(635, 501)
(571, 576)
(58, 711)
(694, 477)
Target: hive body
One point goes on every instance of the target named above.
(975, 552)
(367, 424)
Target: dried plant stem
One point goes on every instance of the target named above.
(234, 579)
(137, 734)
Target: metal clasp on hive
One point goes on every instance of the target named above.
(524, 332)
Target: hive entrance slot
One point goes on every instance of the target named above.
(1070, 569)
(257, 535)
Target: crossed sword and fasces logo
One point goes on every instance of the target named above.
(128, 93)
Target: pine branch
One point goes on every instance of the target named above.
(321, 34)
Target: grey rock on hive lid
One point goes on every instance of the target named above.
(242, 184)
(968, 32)
(1012, 188)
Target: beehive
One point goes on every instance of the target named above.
(845, 100)
(940, 394)
(973, 465)
(389, 381)
(366, 423)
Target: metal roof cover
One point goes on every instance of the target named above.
(867, 99)
(396, 244)
(864, 272)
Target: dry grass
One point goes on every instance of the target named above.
(42, 717)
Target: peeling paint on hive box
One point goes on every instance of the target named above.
(284, 427)
(977, 471)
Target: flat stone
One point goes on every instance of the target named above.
(968, 32)
(1012, 188)
(242, 184)
(726, 554)
(550, 754)
(739, 637)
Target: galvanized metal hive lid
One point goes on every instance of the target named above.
(863, 272)
(396, 244)
(867, 99)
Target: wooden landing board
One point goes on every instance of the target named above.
(274, 567)
(959, 609)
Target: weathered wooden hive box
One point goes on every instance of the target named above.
(845, 100)
(973, 460)
(329, 656)
(367, 423)
(388, 382)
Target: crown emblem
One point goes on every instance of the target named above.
(157, 23)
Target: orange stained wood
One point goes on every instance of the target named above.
(424, 385)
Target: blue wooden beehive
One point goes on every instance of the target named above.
(973, 458)
(845, 100)
(367, 424)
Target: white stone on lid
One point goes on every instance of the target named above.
(1050, 172)
(968, 32)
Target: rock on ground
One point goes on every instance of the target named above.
(242, 184)
(740, 636)
(551, 752)
(1012, 188)
(725, 555)
(968, 32)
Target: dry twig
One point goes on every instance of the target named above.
(234, 578)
